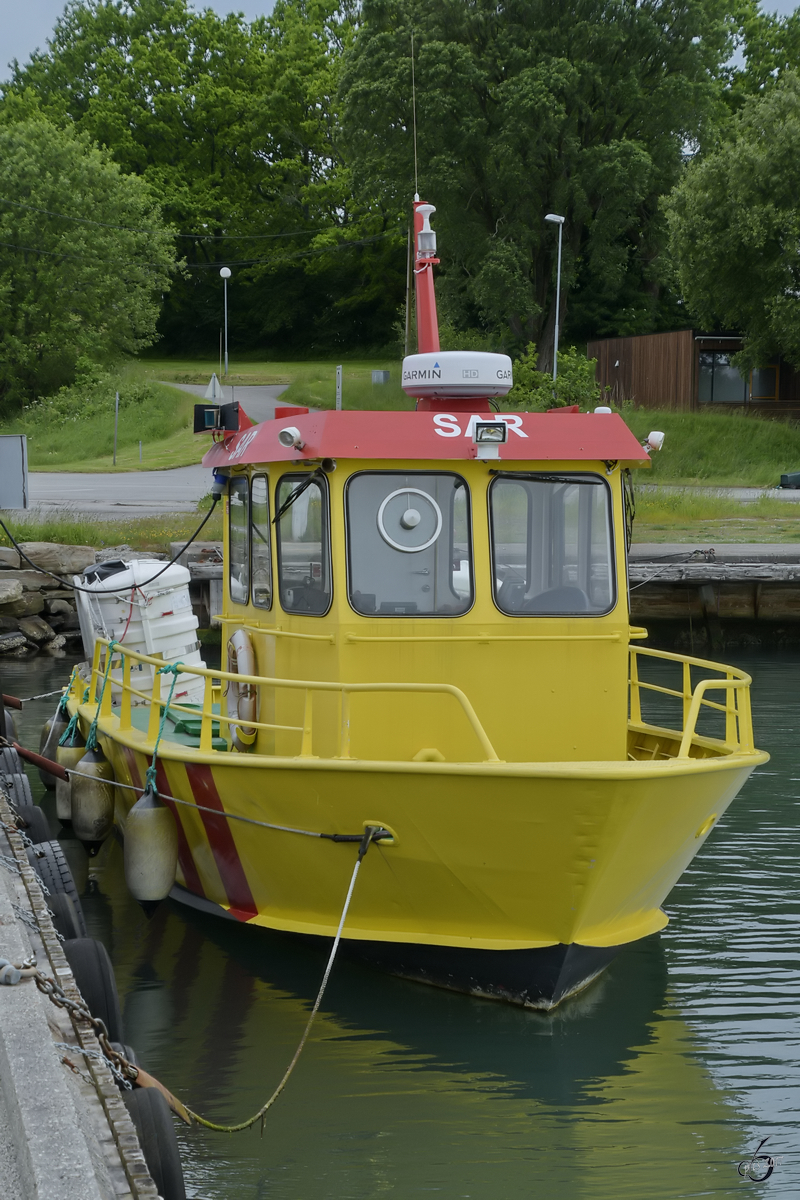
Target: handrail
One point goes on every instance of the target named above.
(307, 685)
(736, 685)
(486, 637)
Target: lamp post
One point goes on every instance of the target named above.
(559, 221)
(225, 273)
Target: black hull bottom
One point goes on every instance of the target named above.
(539, 978)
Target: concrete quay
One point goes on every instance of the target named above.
(706, 597)
(65, 1133)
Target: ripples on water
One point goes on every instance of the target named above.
(654, 1083)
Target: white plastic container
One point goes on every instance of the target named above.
(152, 618)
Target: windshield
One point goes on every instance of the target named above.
(552, 548)
(304, 574)
(409, 544)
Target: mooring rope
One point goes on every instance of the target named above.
(172, 669)
(91, 737)
(368, 837)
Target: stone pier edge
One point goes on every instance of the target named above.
(121, 1126)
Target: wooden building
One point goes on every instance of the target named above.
(690, 371)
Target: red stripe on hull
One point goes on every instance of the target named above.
(223, 847)
(184, 853)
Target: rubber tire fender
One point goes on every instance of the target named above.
(151, 1115)
(37, 826)
(18, 789)
(242, 698)
(50, 864)
(10, 761)
(68, 921)
(94, 976)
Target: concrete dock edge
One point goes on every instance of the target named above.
(72, 1136)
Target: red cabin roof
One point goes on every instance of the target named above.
(419, 436)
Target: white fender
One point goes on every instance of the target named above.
(242, 698)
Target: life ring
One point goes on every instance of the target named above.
(242, 698)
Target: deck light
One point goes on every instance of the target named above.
(489, 436)
(290, 436)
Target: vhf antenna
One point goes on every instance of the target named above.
(414, 112)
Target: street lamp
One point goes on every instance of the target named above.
(559, 221)
(225, 273)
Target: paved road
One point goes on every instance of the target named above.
(257, 402)
(141, 493)
(125, 494)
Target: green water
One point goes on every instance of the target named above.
(655, 1082)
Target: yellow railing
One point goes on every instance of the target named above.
(208, 718)
(736, 706)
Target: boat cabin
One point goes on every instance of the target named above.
(374, 547)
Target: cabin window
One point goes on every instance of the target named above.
(304, 553)
(261, 563)
(238, 556)
(552, 545)
(409, 544)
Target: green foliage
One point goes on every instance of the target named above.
(77, 422)
(735, 228)
(583, 109)
(149, 533)
(85, 287)
(534, 390)
(236, 129)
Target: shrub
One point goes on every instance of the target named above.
(535, 391)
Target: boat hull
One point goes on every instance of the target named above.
(533, 978)
(515, 881)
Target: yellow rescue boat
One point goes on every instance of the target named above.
(426, 622)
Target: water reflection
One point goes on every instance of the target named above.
(654, 1083)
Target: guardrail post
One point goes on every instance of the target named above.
(207, 721)
(635, 696)
(731, 723)
(125, 703)
(687, 689)
(306, 748)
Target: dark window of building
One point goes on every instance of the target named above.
(764, 383)
(720, 382)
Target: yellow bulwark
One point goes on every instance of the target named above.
(531, 800)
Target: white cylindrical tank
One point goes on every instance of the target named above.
(150, 617)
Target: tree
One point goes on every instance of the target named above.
(735, 228)
(529, 107)
(84, 258)
(236, 128)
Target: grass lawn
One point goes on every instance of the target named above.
(684, 516)
(142, 533)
